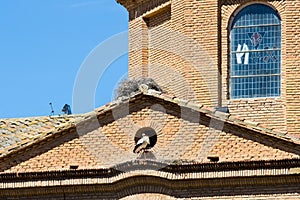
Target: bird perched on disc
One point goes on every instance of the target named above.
(142, 143)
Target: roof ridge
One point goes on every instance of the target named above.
(209, 111)
(42, 116)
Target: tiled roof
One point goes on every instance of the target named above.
(16, 134)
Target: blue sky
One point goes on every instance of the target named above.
(42, 46)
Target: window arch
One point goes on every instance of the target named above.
(255, 53)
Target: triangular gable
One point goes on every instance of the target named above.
(186, 132)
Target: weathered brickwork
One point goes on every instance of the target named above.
(281, 192)
(268, 111)
(189, 55)
(182, 136)
(138, 48)
(292, 38)
(72, 153)
(248, 197)
(149, 196)
(170, 47)
(201, 153)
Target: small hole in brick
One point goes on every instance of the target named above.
(213, 158)
(74, 166)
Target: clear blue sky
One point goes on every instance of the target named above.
(42, 46)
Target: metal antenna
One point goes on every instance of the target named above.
(52, 111)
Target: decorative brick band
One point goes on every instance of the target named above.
(178, 188)
(143, 167)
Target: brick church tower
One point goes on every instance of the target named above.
(238, 54)
(207, 55)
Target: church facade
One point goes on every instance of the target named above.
(210, 51)
(224, 127)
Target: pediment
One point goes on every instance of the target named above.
(186, 133)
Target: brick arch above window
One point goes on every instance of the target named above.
(255, 53)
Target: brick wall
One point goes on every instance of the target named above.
(151, 196)
(185, 59)
(182, 135)
(268, 111)
(279, 113)
(171, 45)
(245, 197)
(292, 66)
(259, 192)
(138, 48)
(175, 63)
(72, 153)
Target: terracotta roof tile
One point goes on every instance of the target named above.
(16, 132)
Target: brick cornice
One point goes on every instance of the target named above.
(152, 184)
(146, 165)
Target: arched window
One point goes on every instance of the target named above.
(255, 51)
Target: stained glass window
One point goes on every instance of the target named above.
(255, 49)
